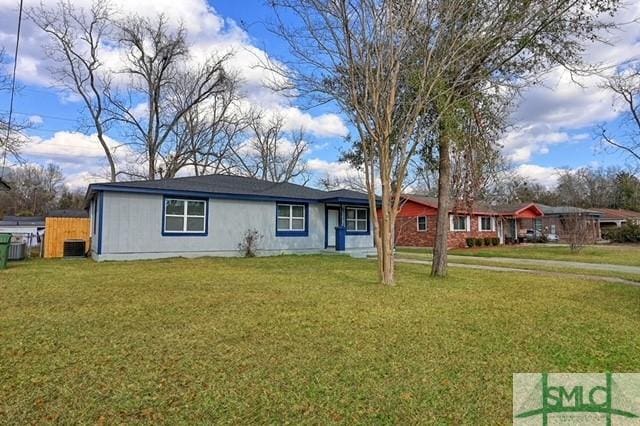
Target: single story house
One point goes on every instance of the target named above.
(210, 215)
(416, 222)
(615, 218)
(28, 229)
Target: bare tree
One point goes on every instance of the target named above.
(164, 85)
(575, 227)
(392, 66)
(354, 182)
(205, 137)
(510, 46)
(77, 37)
(626, 86)
(464, 154)
(271, 153)
(12, 136)
(362, 55)
(34, 190)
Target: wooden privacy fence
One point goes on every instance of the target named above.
(61, 229)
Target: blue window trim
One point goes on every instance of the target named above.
(326, 222)
(368, 231)
(185, 234)
(304, 233)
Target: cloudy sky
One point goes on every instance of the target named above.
(553, 127)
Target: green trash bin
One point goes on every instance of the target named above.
(5, 242)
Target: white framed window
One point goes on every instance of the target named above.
(185, 216)
(291, 218)
(357, 219)
(486, 223)
(459, 223)
(421, 223)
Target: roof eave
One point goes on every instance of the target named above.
(93, 188)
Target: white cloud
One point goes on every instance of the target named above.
(80, 156)
(334, 168)
(325, 125)
(547, 176)
(68, 146)
(210, 35)
(521, 143)
(550, 113)
(35, 119)
(140, 110)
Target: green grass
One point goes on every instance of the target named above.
(617, 255)
(469, 260)
(306, 339)
(419, 250)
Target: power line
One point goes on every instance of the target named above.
(13, 91)
(52, 117)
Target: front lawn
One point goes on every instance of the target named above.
(309, 339)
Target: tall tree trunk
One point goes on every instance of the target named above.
(388, 276)
(105, 147)
(382, 222)
(439, 265)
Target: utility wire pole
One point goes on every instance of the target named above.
(13, 91)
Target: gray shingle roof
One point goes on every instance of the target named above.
(232, 185)
(616, 214)
(477, 207)
(345, 193)
(22, 221)
(68, 213)
(563, 210)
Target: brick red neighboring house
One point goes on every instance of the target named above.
(416, 222)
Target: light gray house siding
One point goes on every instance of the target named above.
(132, 224)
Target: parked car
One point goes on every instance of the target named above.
(532, 235)
(553, 238)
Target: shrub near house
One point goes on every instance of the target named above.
(627, 233)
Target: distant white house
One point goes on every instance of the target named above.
(28, 229)
(209, 216)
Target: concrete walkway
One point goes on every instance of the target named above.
(557, 263)
(528, 271)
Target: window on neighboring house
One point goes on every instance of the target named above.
(422, 223)
(291, 218)
(185, 216)
(486, 223)
(459, 223)
(357, 219)
(553, 229)
(537, 223)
